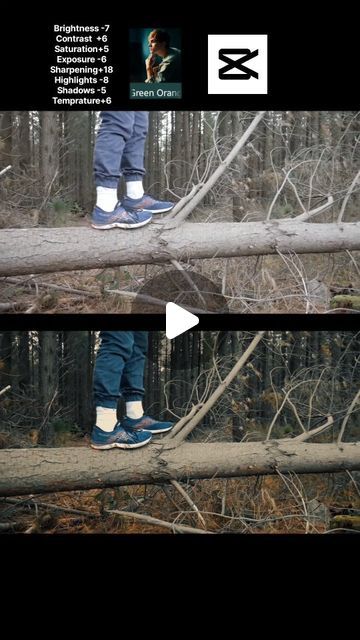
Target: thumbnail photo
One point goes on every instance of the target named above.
(155, 63)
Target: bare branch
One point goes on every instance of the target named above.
(340, 216)
(348, 414)
(179, 205)
(353, 481)
(281, 407)
(179, 425)
(5, 170)
(155, 301)
(220, 389)
(310, 434)
(282, 186)
(192, 284)
(314, 212)
(192, 504)
(354, 262)
(5, 389)
(47, 285)
(46, 505)
(185, 212)
(295, 413)
(160, 523)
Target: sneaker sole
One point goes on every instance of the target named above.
(121, 225)
(158, 210)
(159, 430)
(117, 445)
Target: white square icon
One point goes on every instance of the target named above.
(237, 64)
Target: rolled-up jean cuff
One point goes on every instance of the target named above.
(110, 183)
(108, 404)
(133, 397)
(133, 177)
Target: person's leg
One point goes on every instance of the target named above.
(132, 389)
(116, 129)
(132, 162)
(132, 168)
(115, 350)
(132, 381)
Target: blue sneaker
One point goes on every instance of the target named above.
(149, 424)
(120, 438)
(119, 218)
(147, 203)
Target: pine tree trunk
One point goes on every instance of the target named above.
(49, 157)
(24, 360)
(24, 142)
(48, 382)
(6, 357)
(6, 133)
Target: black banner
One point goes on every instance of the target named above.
(98, 62)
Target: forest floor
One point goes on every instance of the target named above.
(270, 284)
(263, 505)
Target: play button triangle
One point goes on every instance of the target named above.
(178, 320)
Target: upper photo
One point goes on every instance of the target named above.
(231, 212)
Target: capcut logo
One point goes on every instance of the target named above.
(246, 64)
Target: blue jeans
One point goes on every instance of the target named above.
(120, 147)
(119, 367)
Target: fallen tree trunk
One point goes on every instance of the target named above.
(40, 470)
(24, 251)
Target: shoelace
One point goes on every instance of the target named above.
(131, 432)
(125, 434)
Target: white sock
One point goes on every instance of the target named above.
(106, 418)
(134, 409)
(134, 189)
(106, 198)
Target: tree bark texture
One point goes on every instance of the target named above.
(43, 470)
(24, 251)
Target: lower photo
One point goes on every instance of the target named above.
(211, 432)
